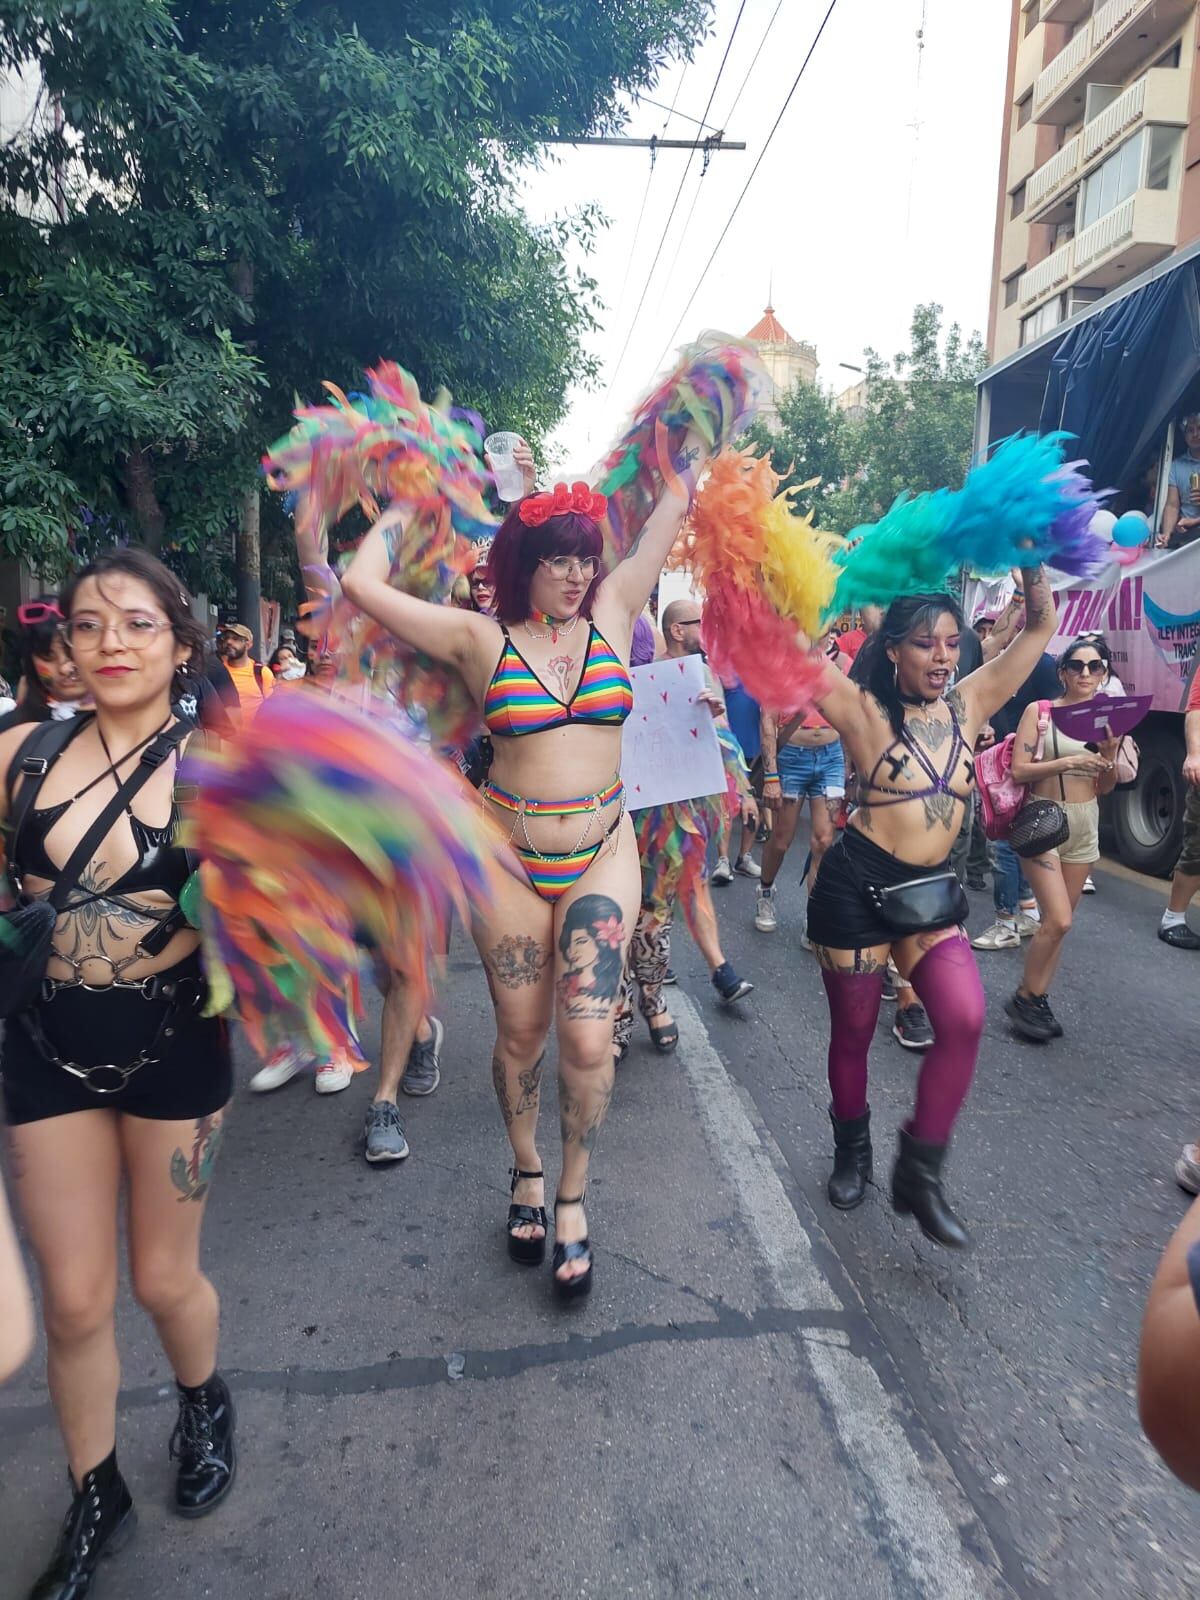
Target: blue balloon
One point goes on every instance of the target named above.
(1131, 530)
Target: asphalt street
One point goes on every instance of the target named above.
(762, 1397)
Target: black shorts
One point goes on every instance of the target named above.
(840, 916)
(191, 1077)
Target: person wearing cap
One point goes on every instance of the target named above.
(252, 682)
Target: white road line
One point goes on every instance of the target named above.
(926, 1537)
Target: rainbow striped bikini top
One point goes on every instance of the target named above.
(517, 701)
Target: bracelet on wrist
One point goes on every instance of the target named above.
(770, 777)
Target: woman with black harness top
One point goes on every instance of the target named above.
(111, 1073)
(886, 888)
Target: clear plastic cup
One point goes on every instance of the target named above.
(510, 483)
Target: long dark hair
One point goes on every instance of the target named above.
(37, 641)
(517, 549)
(166, 589)
(872, 667)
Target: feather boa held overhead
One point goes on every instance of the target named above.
(388, 446)
(327, 830)
(715, 389)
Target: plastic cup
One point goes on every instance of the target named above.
(510, 482)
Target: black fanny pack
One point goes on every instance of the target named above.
(917, 905)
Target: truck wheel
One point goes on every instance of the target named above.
(1147, 818)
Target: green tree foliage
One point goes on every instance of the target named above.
(918, 423)
(219, 203)
(812, 439)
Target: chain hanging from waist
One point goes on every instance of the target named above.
(522, 808)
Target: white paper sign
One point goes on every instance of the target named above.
(670, 749)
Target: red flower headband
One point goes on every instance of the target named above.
(538, 508)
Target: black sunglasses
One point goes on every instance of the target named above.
(1090, 667)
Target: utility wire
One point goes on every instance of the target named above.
(674, 204)
(645, 100)
(637, 228)
(766, 35)
(745, 187)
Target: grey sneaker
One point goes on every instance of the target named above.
(912, 1027)
(422, 1073)
(383, 1133)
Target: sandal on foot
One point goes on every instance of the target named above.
(665, 1037)
(528, 1252)
(579, 1250)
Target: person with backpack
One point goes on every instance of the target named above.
(1064, 778)
(251, 679)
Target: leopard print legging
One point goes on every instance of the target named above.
(646, 967)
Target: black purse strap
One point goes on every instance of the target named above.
(152, 758)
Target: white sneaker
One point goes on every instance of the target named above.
(748, 867)
(765, 919)
(1089, 886)
(333, 1077)
(1000, 936)
(1028, 923)
(722, 872)
(277, 1070)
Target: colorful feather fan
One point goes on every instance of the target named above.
(714, 390)
(326, 831)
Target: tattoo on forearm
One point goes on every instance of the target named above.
(191, 1175)
(517, 960)
(391, 536)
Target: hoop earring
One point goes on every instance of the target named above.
(895, 675)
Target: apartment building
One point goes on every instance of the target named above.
(1100, 156)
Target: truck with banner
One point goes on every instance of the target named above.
(1120, 376)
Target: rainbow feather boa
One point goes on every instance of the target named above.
(326, 830)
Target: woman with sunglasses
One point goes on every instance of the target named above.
(1060, 768)
(51, 686)
(113, 1077)
(548, 669)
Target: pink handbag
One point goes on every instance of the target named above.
(1001, 797)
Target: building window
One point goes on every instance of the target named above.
(1150, 160)
(1171, 57)
(1012, 287)
(1078, 298)
(1162, 158)
(1032, 15)
(1024, 109)
(1018, 202)
(1043, 319)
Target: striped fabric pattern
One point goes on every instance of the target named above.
(552, 876)
(517, 701)
(553, 808)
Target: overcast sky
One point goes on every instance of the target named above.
(854, 216)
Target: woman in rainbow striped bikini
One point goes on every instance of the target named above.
(549, 670)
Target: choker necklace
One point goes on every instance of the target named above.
(557, 626)
(919, 700)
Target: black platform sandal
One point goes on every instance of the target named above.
(528, 1252)
(665, 1037)
(581, 1250)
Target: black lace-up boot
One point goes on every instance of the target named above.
(203, 1445)
(851, 1161)
(101, 1520)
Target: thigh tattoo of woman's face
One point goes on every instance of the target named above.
(591, 942)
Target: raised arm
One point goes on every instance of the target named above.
(636, 574)
(986, 690)
(444, 632)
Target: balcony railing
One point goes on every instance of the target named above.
(1109, 17)
(1064, 67)
(1114, 119)
(1054, 174)
(1048, 274)
(1110, 230)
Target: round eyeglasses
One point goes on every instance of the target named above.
(569, 566)
(134, 633)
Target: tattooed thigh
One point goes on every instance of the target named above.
(191, 1174)
(517, 960)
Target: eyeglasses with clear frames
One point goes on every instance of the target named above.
(134, 632)
(569, 566)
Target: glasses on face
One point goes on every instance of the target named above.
(134, 633)
(481, 583)
(562, 567)
(1091, 668)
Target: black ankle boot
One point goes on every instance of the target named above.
(203, 1445)
(101, 1520)
(851, 1161)
(917, 1189)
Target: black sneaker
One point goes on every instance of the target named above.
(974, 881)
(421, 1073)
(670, 977)
(1180, 937)
(912, 1027)
(1032, 1017)
(729, 986)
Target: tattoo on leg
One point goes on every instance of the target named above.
(591, 942)
(500, 1084)
(575, 1127)
(517, 960)
(530, 1082)
(192, 1175)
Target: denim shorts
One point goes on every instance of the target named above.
(807, 771)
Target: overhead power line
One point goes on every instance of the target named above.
(674, 205)
(745, 187)
(637, 227)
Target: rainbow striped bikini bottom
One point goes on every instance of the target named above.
(551, 875)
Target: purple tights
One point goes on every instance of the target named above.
(947, 982)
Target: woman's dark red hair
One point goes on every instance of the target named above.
(517, 549)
